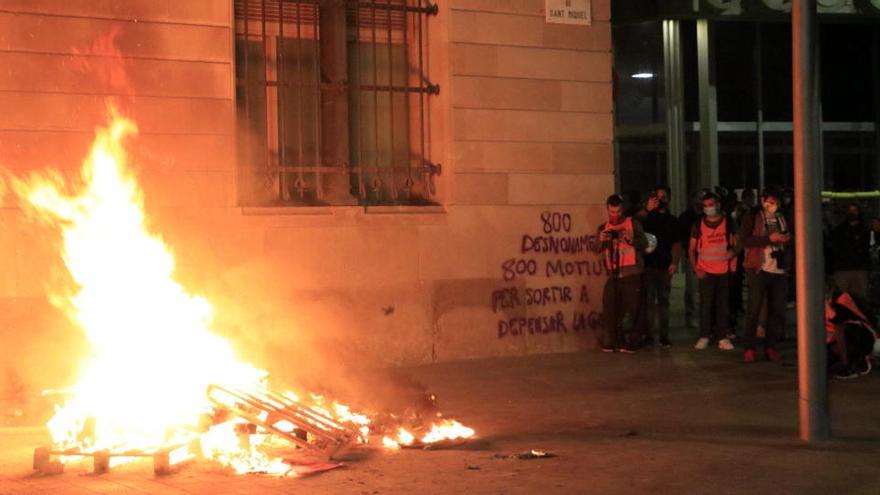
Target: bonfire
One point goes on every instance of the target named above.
(203, 401)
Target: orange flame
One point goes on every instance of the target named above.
(446, 430)
(153, 352)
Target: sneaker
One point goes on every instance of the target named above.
(773, 355)
(701, 344)
(864, 369)
(846, 375)
(749, 356)
(664, 341)
(627, 350)
(608, 349)
(725, 345)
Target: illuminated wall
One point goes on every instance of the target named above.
(522, 128)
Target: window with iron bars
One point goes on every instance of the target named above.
(332, 102)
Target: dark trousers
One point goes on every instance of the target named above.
(772, 287)
(691, 293)
(714, 298)
(641, 329)
(736, 298)
(620, 302)
(852, 344)
(657, 285)
(853, 281)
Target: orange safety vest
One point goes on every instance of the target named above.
(712, 248)
(626, 253)
(846, 301)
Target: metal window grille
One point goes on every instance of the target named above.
(332, 101)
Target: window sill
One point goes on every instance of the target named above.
(270, 211)
(262, 211)
(405, 210)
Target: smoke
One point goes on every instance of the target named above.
(308, 340)
(104, 62)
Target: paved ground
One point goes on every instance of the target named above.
(662, 421)
(677, 421)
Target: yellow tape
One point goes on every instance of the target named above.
(850, 195)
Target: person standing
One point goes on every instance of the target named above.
(660, 264)
(686, 221)
(711, 251)
(787, 207)
(622, 240)
(737, 278)
(850, 253)
(766, 237)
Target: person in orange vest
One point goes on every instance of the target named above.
(850, 335)
(711, 249)
(623, 241)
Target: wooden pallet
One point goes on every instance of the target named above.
(46, 459)
(286, 418)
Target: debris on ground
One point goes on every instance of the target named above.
(304, 469)
(531, 454)
(535, 454)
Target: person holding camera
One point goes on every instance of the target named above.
(766, 237)
(623, 241)
(711, 251)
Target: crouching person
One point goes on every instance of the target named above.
(622, 240)
(850, 335)
(711, 251)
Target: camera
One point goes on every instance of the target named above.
(613, 234)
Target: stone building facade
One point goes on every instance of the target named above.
(496, 265)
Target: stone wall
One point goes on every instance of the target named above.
(522, 127)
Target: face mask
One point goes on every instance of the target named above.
(770, 208)
(710, 212)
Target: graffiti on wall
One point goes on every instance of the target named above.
(561, 261)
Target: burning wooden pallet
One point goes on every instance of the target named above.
(286, 418)
(304, 426)
(46, 459)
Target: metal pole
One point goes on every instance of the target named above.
(875, 83)
(759, 97)
(815, 422)
(708, 103)
(676, 173)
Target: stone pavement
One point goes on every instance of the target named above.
(659, 421)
